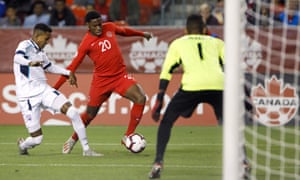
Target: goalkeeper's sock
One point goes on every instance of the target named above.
(163, 136)
(135, 118)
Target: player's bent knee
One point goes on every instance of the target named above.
(141, 99)
(65, 107)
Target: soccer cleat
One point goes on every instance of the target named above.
(21, 151)
(68, 146)
(155, 171)
(247, 169)
(90, 152)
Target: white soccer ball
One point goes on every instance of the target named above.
(136, 143)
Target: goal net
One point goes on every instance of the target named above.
(262, 46)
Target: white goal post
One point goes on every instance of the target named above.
(262, 86)
(231, 134)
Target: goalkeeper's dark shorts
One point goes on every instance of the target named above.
(184, 103)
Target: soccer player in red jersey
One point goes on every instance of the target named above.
(109, 74)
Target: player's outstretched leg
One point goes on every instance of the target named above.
(71, 142)
(80, 129)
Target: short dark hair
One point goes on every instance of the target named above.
(91, 15)
(12, 6)
(63, 1)
(42, 27)
(195, 23)
(39, 2)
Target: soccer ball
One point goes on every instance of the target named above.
(135, 143)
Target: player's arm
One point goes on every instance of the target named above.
(82, 51)
(125, 31)
(155, 112)
(67, 74)
(221, 51)
(172, 61)
(48, 66)
(19, 58)
(72, 67)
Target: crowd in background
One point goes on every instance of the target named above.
(62, 13)
(273, 12)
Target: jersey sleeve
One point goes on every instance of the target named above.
(52, 68)
(172, 61)
(60, 82)
(82, 50)
(19, 56)
(19, 59)
(125, 31)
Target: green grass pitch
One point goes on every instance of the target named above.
(193, 153)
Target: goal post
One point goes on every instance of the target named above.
(261, 94)
(232, 91)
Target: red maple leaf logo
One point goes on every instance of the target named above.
(274, 105)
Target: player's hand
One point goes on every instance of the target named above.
(147, 35)
(72, 79)
(35, 63)
(155, 112)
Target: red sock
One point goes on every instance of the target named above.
(135, 118)
(86, 121)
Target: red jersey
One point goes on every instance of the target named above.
(103, 50)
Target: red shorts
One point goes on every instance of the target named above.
(101, 88)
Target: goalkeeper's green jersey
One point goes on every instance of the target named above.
(202, 60)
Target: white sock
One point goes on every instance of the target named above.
(78, 127)
(31, 142)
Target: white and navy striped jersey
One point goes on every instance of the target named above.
(31, 81)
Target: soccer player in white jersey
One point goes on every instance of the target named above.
(34, 94)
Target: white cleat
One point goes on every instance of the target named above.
(21, 151)
(68, 146)
(90, 152)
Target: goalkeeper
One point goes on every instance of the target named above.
(202, 58)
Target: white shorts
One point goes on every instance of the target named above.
(51, 100)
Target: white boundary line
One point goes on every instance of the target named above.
(113, 165)
(106, 165)
(118, 144)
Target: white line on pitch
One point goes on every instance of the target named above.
(106, 165)
(118, 144)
